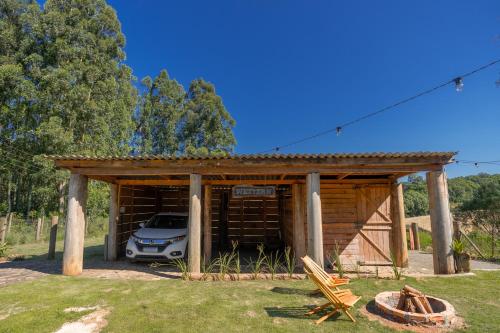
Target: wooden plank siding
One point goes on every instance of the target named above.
(355, 217)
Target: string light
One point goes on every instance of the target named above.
(459, 84)
(457, 81)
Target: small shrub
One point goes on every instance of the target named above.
(458, 247)
(334, 259)
(289, 261)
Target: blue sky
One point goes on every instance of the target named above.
(289, 69)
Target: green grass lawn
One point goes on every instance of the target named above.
(258, 306)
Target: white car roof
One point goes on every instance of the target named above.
(173, 214)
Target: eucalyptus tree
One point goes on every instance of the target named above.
(160, 108)
(206, 127)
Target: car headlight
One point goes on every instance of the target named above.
(135, 239)
(177, 239)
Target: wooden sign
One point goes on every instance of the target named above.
(249, 191)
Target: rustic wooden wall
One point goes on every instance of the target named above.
(357, 219)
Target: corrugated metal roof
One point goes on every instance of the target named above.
(422, 154)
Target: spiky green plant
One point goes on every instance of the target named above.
(396, 271)
(257, 265)
(207, 268)
(335, 261)
(289, 261)
(236, 259)
(273, 263)
(182, 266)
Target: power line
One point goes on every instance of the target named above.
(457, 81)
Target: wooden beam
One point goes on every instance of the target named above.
(75, 225)
(299, 220)
(439, 207)
(181, 182)
(114, 215)
(282, 177)
(194, 226)
(314, 219)
(399, 243)
(207, 224)
(339, 177)
(130, 170)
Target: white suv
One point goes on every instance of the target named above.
(163, 237)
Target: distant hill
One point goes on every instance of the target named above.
(460, 189)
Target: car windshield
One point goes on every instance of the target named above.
(167, 222)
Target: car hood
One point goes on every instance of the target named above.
(154, 233)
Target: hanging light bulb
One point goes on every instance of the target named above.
(338, 130)
(459, 84)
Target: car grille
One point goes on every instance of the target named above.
(141, 246)
(150, 257)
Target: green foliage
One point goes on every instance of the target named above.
(289, 261)
(273, 263)
(464, 193)
(65, 89)
(396, 271)
(458, 247)
(4, 247)
(335, 260)
(425, 239)
(257, 265)
(161, 106)
(182, 266)
(206, 125)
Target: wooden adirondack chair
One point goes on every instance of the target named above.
(330, 280)
(338, 300)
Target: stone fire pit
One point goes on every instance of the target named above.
(444, 313)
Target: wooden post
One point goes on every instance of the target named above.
(3, 229)
(75, 225)
(457, 227)
(399, 225)
(314, 219)
(440, 222)
(114, 215)
(106, 247)
(207, 224)
(411, 238)
(53, 237)
(38, 229)
(9, 222)
(194, 227)
(299, 218)
(416, 237)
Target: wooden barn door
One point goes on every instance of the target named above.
(375, 224)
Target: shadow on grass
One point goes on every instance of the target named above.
(295, 291)
(297, 312)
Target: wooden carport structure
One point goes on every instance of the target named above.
(321, 200)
